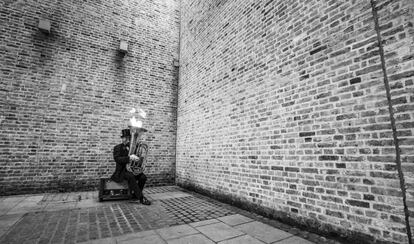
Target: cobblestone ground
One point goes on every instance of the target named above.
(110, 220)
(78, 225)
(78, 217)
(191, 209)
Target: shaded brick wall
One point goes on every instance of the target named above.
(397, 33)
(282, 107)
(65, 97)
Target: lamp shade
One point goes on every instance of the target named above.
(44, 26)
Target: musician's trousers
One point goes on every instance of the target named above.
(136, 183)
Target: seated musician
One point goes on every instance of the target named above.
(122, 158)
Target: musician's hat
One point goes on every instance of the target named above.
(126, 133)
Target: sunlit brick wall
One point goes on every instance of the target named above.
(282, 107)
(65, 96)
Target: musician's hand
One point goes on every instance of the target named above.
(133, 157)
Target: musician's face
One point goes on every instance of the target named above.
(125, 140)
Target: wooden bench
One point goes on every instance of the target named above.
(111, 190)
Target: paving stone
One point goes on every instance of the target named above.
(3, 231)
(59, 206)
(25, 207)
(176, 231)
(235, 219)
(4, 210)
(192, 239)
(152, 239)
(34, 198)
(294, 240)
(13, 200)
(9, 203)
(136, 235)
(87, 203)
(219, 231)
(246, 239)
(6, 221)
(100, 241)
(263, 232)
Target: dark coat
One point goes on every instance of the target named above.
(122, 159)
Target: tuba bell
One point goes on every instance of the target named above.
(138, 148)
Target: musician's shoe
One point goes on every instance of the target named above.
(145, 201)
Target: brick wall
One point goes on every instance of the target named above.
(283, 108)
(65, 96)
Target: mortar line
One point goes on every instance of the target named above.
(392, 118)
(177, 93)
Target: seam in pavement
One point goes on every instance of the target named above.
(287, 238)
(244, 234)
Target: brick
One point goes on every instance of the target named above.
(359, 219)
(381, 158)
(340, 52)
(368, 182)
(355, 80)
(316, 50)
(336, 214)
(292, 169)
(309, 170)
(384, 175)
(368, 70)
(280, 168)
(385, 191)
(332, 199)
(376, 127)
(369, 197)
(357, 203)
(340, 165)
(328, 158)
(393, 31)
(294, 204)
(365, 42)
(346, 116)
(306, 134)
(310, 183)
(382, 207)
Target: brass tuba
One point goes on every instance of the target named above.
(138, 148)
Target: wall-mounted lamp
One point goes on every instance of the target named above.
(176, 63)
(44, 26)
(123, 47)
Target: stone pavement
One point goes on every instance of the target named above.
(176, 216)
